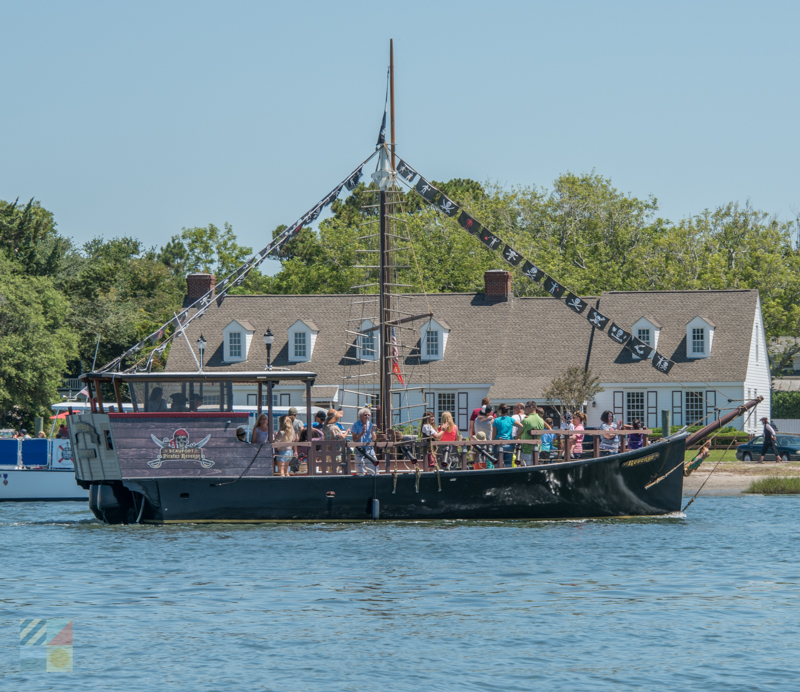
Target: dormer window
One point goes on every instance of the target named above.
(367, 342)
(300, 345)
(648, 330)
(433, 340)
(236, 339)
(235, 344)
(699, 337)
(432, 343)
(302, 337)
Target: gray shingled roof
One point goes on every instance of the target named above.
(516, 347)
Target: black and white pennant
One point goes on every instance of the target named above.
(662, 363)
(446, 205)
(511, 256)
(532, 271)
(554, 288)
(426, 190)
(575, 303)
(489, 239)
(596, 319)
(352, 181)
(618, 334)
(469, 224)
(638, 347)
(405, 171)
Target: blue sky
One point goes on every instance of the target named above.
(141, 118)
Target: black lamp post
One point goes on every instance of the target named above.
(201, 346)
(269, 337)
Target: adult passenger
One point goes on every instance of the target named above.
(609, 443)
(532, 421)
(296, 422)
(770, 441)
(483, 423)
(579, 423)
(364, 431)
(195, 403)
(178, 403)
(260, 434)
(503, 429)
(319, 420)
(156, 403)
(477, 412)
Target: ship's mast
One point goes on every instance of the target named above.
(385, 279)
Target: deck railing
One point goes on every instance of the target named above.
(336, 457)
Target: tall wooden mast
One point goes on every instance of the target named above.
(385, 281)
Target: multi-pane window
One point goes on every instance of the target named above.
(644, 335)
(432, 343)
(210, 399)
(368, 345)
(445, 402)
(698, 340)
(235, 344)
(252, 398)
(635, 406)
(694, 408)
(300, 345)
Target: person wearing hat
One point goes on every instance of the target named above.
(297, 424)
(330, 429)
(24, 434)
(770, 440)
(195, 402)
(319, 419)
(178, 403)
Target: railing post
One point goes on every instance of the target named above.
(666, 423)
(596, 445)
(567, 444)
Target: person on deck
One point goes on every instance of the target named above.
(532, 421)
(483, 423)
(260, 430)
(636, 439)
(284, 455)
(477, 412)
(319, 419)
(448, 433)
(195, 403)
(427, 432)
(178, 403)
(770, 441)
(547, 441)
(576, 442)
(518, 416)
(296, 422)
(609, 443)
(364, 432)
(503, 429)
(156, 403)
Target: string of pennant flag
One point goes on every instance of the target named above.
(234, 279)
(440, 201)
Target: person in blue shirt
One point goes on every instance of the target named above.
(503, 429)
(319, 419)
(547, 440)
(364, 432)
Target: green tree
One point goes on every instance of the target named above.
(574, 387)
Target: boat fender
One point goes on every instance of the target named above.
(438, 478)
(418, 474)
(376, 508)
(394, 482)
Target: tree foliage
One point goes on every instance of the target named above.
(574, 387)
(785, 404)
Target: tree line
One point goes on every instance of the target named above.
(56, 296)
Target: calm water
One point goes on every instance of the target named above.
(705, 602)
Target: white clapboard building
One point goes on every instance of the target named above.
(508, 348)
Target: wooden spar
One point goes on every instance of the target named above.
(395, 323)
(717, 424)
(391, 92)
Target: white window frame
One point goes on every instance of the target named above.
(432, 339)
(296, 344)
(695, 405)
(235, 342)
(698, 339)
(645, 334)
(695, 326)
(654, 330)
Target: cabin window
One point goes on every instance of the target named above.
(235, 345)
(432, 344)
(635, 402)
(694, 408)
(300, 345)
(698, 340)
(644, 335)
(286, 400)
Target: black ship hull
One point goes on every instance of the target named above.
(610, 486)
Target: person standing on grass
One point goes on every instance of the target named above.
(770, 441)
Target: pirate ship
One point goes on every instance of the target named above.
(195, 464)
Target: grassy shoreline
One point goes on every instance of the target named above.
(775, 485)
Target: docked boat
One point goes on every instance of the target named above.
(160, 464)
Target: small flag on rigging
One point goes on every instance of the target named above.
(396, 359)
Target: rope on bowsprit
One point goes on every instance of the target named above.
(394, 482)
(438, 477)
(417, 473)
(744, 423)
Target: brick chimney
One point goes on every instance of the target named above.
(497, 285)
(197, 285)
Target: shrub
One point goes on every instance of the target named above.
(786, 404)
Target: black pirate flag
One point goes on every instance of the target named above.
(469, 224)
(352, 181)
(511, 256)
(447, 206)
(489, 239)
(532, 271)
(575, 303)
(638, 347)
(426, 190)
(596, 319)
(662, 363)
(405, 171)
(331, 197)
(618, 334)
(554, 288)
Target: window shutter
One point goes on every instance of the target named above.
(652, 410)
(618, 405)
(430, 398)
(463, 411)
(677, 408)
